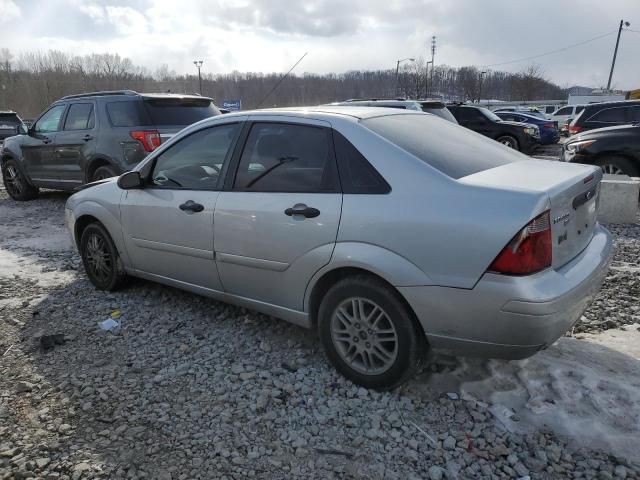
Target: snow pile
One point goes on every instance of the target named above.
(578, 389)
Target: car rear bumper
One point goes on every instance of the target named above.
(512, 317)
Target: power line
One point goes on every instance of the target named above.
(552, 51)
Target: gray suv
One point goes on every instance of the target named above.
(92, 136)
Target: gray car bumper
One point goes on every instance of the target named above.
(512, 317)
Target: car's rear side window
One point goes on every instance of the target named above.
(80, 117)
(610, 115)
(179, 111)
(449, 148)
(357, 175)
(127, 114)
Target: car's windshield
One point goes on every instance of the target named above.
(490, 115)
(452, 149)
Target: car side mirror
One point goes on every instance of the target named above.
(130, 180)
(23, 129)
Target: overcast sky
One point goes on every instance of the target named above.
(340, 35)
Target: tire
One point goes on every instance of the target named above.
(382, 365)
(15, 182)
(509, 141)
(103, 172)
(619, 166)
(100, 258)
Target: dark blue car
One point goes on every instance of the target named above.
(549, 132)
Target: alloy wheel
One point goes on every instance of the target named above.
(364, 336)
(98, 257)
(13, 181)
(612, 169)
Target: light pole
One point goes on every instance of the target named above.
(615, 52)
(398, 69)
(426, 79)
(198, 64)
(480, 88)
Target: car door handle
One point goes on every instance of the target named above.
(302, 209)
(191, 206)
(46, 140)
(87, 137)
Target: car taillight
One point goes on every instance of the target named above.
(549, 125)
(573, 129)
(529, 251)
(150, 139)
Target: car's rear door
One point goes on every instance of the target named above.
(168, 224)
(276, 222)
(76, 142)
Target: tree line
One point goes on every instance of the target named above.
(30, 81)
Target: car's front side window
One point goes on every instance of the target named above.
(280, 157)
(50, 121)
(196, 161)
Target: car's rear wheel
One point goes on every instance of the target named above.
(368, 333)
(16, 184)
(103, 172)
(100, 258)
(615, 165)
(509, 141)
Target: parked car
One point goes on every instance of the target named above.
(87, 137)
(389, 231)
(519, 136)
(549, 132)
(522, 109)
(565, 113)
(614, 149)
(435, 107)
(606, 114)
(9, 123)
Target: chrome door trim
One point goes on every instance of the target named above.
(57, 180)
(166, 247)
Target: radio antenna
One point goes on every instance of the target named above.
(281, 80)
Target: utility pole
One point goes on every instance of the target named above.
(433, 53)
(615, 52)
(198, 64)
(480, 87)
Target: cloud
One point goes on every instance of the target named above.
(8, 11)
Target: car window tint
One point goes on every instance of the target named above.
(465, 114)
(50, 121)
(579, 109)
(286, 158)
(564, 111)
(452, 150)
(11, 120)
(357, 175)
(179, 111)
(80, 117)
(127, 114)
(196, 161)
(610, 115)
(635, 114)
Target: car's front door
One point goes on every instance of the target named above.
(277, 220)
(76, 142)
(168, 224)
(38, 147)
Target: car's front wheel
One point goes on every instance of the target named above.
(368, 333)
(509, 141)
(103, 172)
(100, 258)
(16, 184)
(616, 165)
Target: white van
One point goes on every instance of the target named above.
(566, 113)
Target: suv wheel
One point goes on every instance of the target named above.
(619, 166)
(16, 184)
(368, 333)
(508, 141)
(100, 258)
(103, 172)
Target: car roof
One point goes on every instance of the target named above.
(129, 94)
(614, 103)
(346, 111)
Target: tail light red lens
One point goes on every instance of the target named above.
(150, 139)
(573, 129)
(549, 125)
(529, 251)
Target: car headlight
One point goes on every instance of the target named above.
(532, 130)
(576, 147)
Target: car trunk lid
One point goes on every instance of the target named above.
(573, 196)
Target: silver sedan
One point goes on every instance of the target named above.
(389, 231)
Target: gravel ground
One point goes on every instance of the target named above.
(192, 388)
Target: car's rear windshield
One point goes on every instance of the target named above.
(452, 149)
(10, 120)
(160, 112)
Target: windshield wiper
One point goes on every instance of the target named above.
(281, 161)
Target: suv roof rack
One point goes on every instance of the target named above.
(100, 94)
